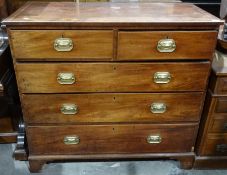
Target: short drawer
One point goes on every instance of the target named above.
(100, 139)
(217, 113)
(47, 45)
(221, 105)
(220, 85)
(215, 144)
(165, 45)
(219, 125)
(111, 77)
(91, 108)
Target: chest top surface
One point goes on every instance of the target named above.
(110, 14)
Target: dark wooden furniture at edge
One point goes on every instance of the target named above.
(11, 122)
(212, 141)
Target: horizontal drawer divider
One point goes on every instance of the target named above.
(111, 156)
(205, 60)
(49, 61)
(188, 123)
(106, 92)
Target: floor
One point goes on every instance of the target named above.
(10, 167)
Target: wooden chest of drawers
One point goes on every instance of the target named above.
(212, 143)
(111, 80)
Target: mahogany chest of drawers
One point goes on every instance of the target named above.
(111, 80)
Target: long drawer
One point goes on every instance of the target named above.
(90, 108)
(100, 139)
(64, 45)
(165, 45)
(111, 77)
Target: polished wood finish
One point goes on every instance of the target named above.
(112, 14)
(112, 108)
(35, 166)
(13, 5)
(111, 77)
(211, 162)
(10, 137)
(6, 124)
(219, 124)
(215, 126)
(143, 45)
(220, 106)
(215, 144)
(88, 45)
(220, 85)
(187, 162)
(37, 161)
(3, 10)
(115, 138)
(212, 141)
(113, 92)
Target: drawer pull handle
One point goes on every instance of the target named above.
(158, 108)
(69, 109)
(162, 77)
(63, 44)
(154, 139)
(225, 126)
(66, 78)
(71, 140)
(221, 148)
(166, 45)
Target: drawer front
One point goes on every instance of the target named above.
(96, 139)
(219, 125)
(90, 108)
(221, 105)
(64, 45)
(215, 144)
(111, 77)
(217, 114)
(166, 45)
(221, 85)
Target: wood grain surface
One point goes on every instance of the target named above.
(221, 104)
(111, 77)
(88, 44)
(49, 140)
(114, 62)
(112, 14)
(210, 162)
(101, 108)
(211, 143)
(219, 85)
(219, 124)
(141, 45)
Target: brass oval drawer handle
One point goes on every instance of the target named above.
(71, 140)
(63, 44)
(69, 109)
(162, 77)
(154, 139)
(166, 45)
(66, 78)
(158, 108)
